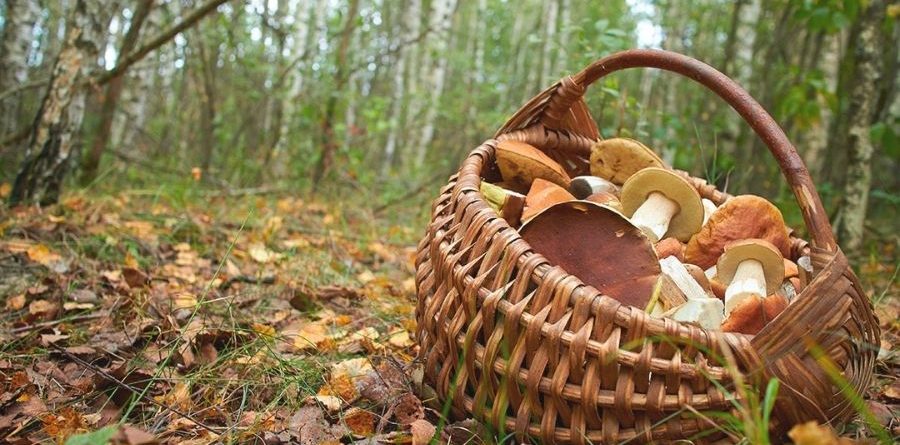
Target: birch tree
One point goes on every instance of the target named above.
(19, 21)
(52, 143)
(440, 25)
(410, 24)
(860, 116)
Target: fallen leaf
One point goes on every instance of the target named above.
(42, 254)
(408, 409)
(893, 390)
(811, 433)
(422, 431)
(331, 403)
(359, 421)
(15, 302)
(400, 339)
(43, 308)
(261, 254)
(134, 277)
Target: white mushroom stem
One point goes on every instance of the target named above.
(749, 280)
(654, 215)
(708, 209)
(707, 312)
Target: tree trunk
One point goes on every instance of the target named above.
(549, 44)
(51, 144)
(299, 54)
(208, 102)
(111, 97)
(21, 15)
(860, 116)
(411, 21)
(441, 23)
(328, 143)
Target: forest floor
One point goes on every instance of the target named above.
(255, 319)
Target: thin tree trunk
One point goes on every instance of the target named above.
(111, 97)
(441, 24)
(410, 23)
(328, 143)
(300, 52)
(549, 43)
(51, 144)
(208, 103)
(21, 16)
(860, 116)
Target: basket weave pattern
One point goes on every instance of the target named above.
(510, 339)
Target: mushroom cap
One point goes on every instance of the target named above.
(689, 218)
(543, 194)
(617, 159)
(754, 314)
(752, 249)
(667, 247)
(583, 186)
(599, 246)
(740, 217)
(790, 269)
(520, 164)
(699, 276)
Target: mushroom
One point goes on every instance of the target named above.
(583, 186)
(740, 217)
(697, 307)
(754, 313)
(708, 209)
(520, 164)
(663, 204)
(617, 159)
(543, 194)
(670, 247)
(507, 203)
(699, 277)
(599, 246)
(750, 268)
(606, 199)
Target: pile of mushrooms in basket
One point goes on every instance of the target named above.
(639, 232)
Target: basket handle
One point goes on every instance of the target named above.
(754, 114)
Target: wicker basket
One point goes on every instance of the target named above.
(510, 339)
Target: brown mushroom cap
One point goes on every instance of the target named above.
(543, 194)
(687, 220)
(667, 247)
(520, 164)
(740, 217)
(599, 246)
(617, 159)
(754, 314)
(698, 275)
(752, 249)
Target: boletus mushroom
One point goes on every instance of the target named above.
(698, 306)
(740, 217)
(617, 159)
(667, 247)
(520, 164)
(662, 204)
(751, 268)
(599, 246)
(606, 199)
(583, 186)
(507, 203)
(543, 194)
(754, 313)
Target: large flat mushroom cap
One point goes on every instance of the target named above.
(753, 249)
(599, 246)
(520, 164)
(689, 218)
(740, 217)
(617, 159)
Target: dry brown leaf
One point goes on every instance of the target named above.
(43, 309)
(134, 277)
(811, 433)
(408, 409)
(15, 302)
(359, 421)
(422, 431)
(131, 435)
(42, 254)
(893, 390)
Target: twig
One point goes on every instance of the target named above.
(247, 191)
(134, 390)
(268, 279)
(47, 324)
(23, 86)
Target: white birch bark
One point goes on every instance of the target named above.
(300, 52)
(411, 21)
(133, 107)
(551, 11)
(440, 24)
(21, 16)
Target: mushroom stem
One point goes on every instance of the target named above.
(654, 215)
(749, 280)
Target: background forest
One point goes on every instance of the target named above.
(231, 191)
(383, 98)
